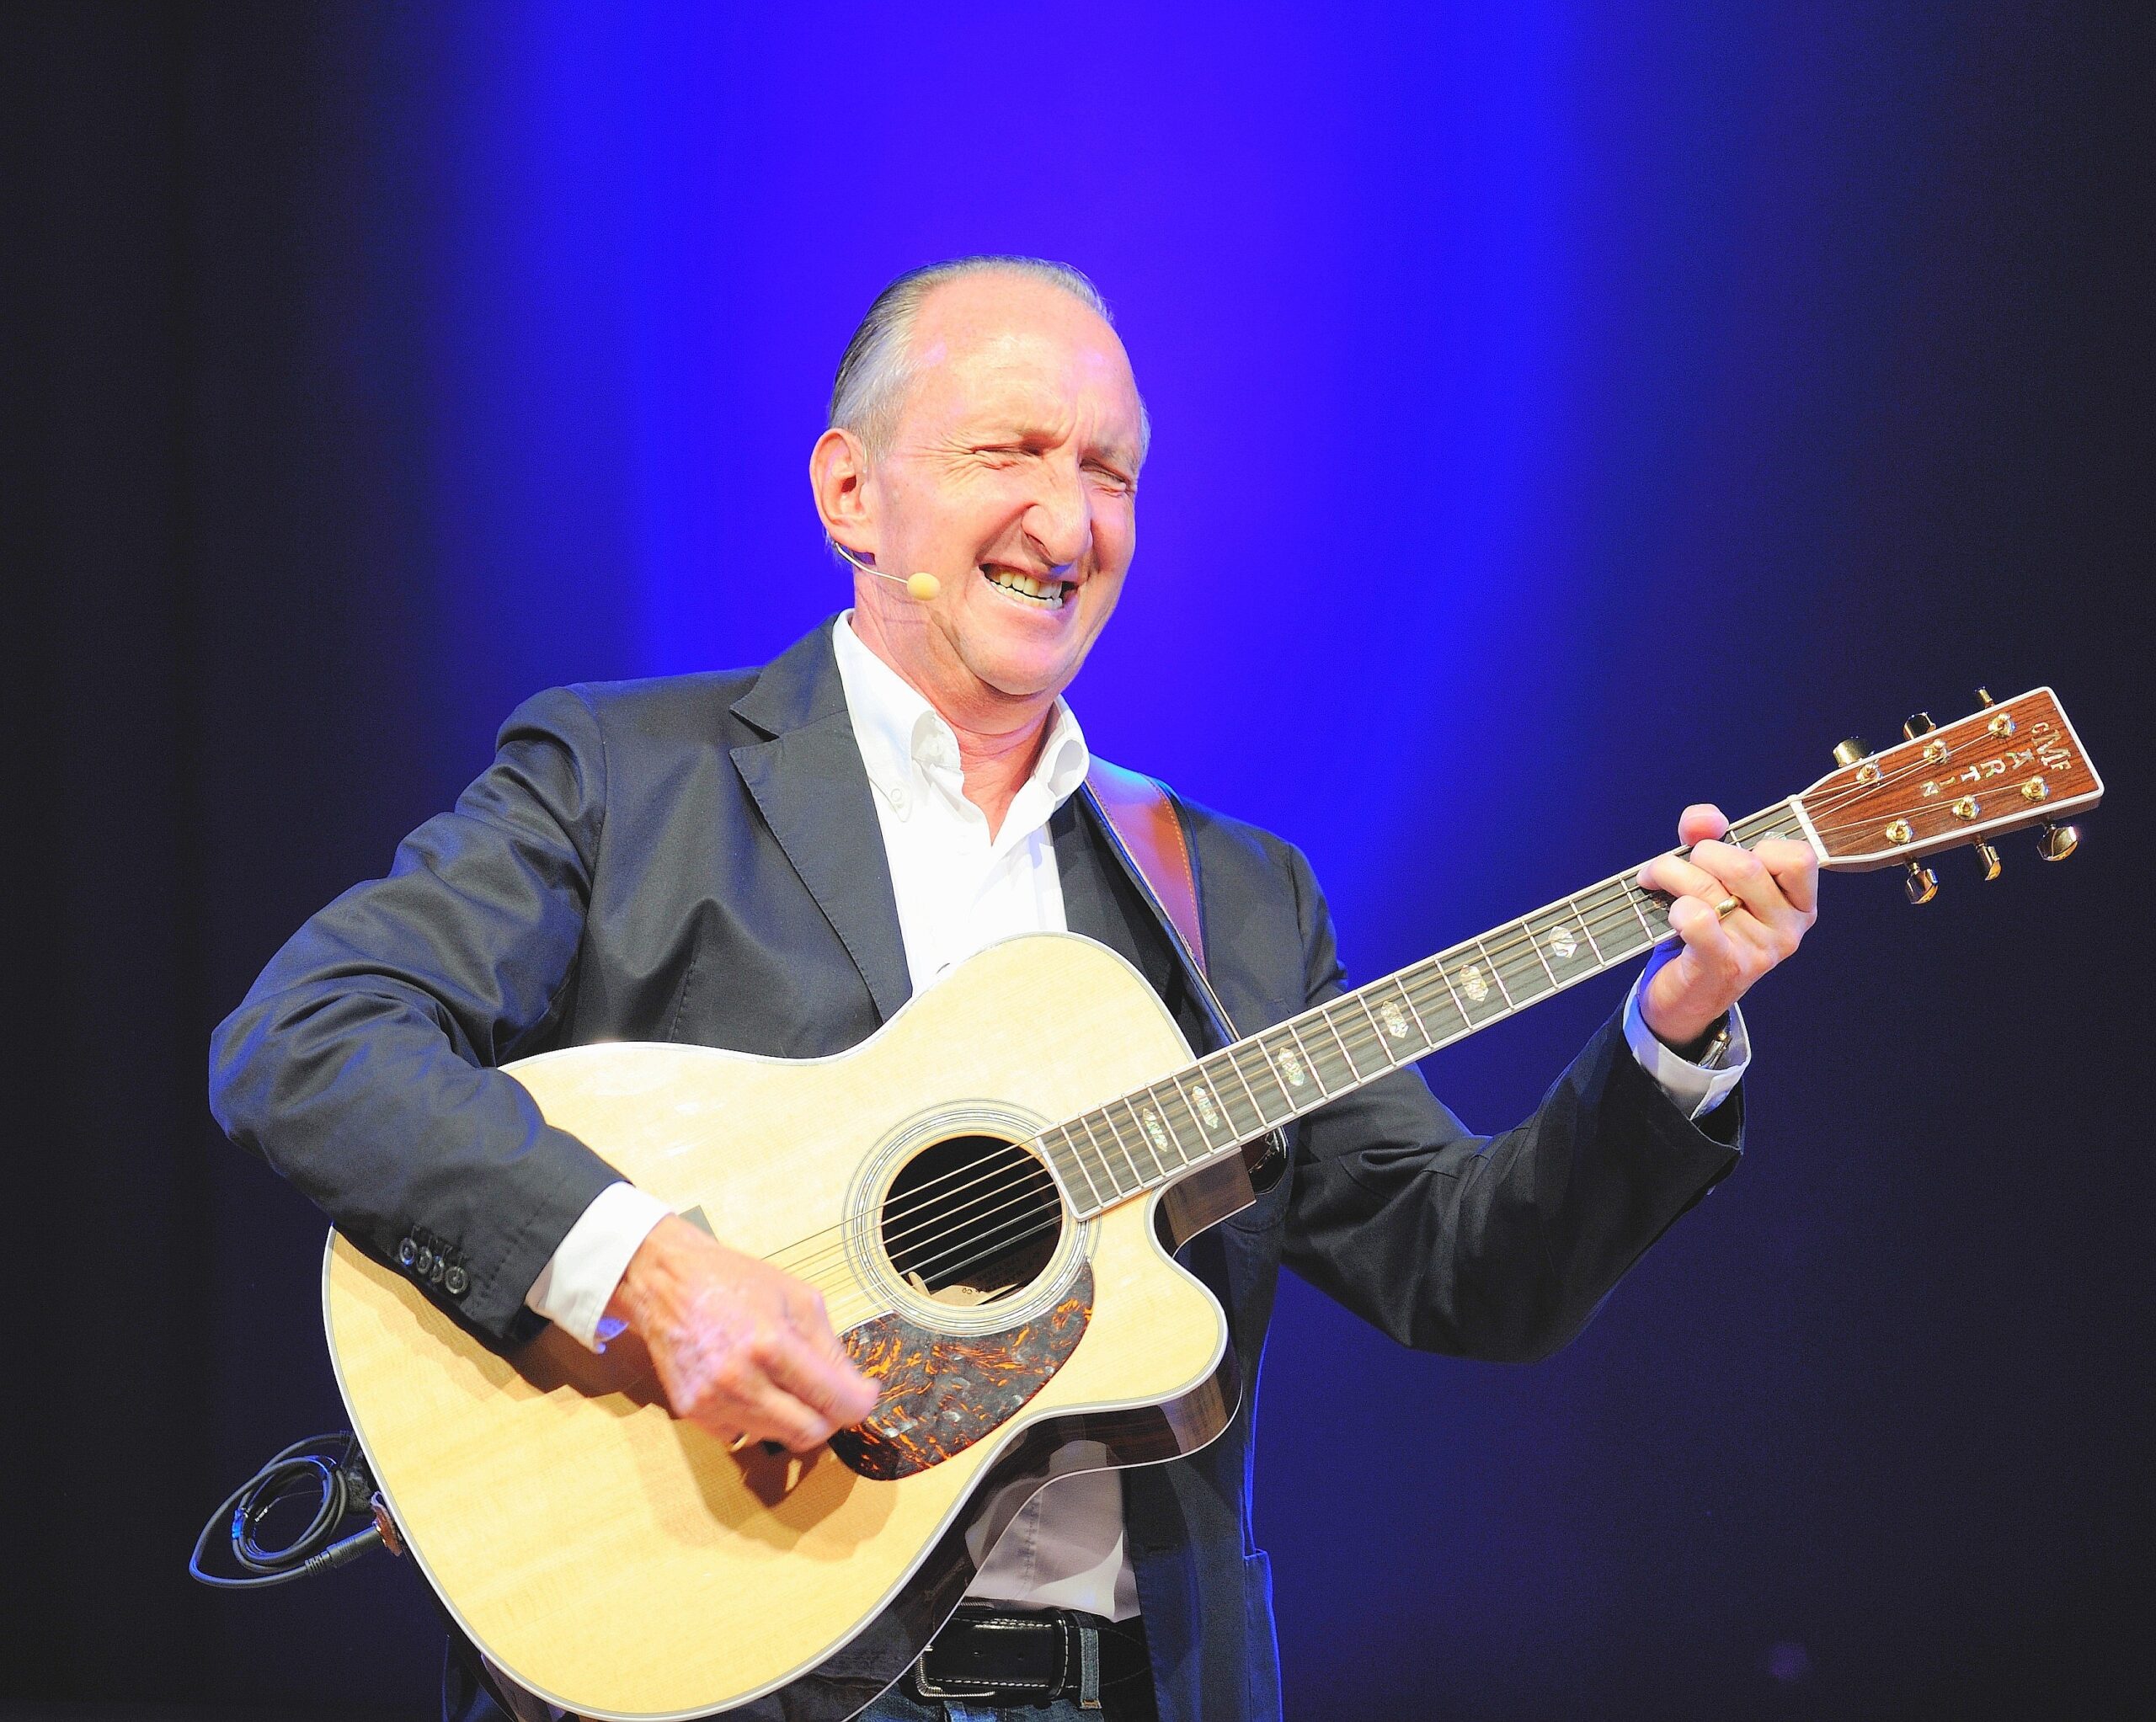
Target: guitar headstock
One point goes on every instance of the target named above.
(2003, 768)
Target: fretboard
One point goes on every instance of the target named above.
(1208, 1109)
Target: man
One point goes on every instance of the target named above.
(772, 861)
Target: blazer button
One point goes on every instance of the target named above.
(454, 1283)
(405, 1252)
(426, 1260)
(436, 1275)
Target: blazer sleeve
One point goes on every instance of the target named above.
(360, 1065)
(1494, 1247)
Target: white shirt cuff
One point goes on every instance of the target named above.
(1696, 1089)
(574, 1288)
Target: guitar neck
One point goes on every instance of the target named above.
(1209, 1109)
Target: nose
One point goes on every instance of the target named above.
(1059, 520)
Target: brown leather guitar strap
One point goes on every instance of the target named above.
(1140, 815)
(1144, 828)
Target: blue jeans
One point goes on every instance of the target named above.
(900, 1705)
(462, 1701)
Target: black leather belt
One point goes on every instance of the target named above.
(1012, 1656)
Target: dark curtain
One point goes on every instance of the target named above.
(208, 529)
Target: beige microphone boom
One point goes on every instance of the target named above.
(922, 587)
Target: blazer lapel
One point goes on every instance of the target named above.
(1098, 902)
(809, 783)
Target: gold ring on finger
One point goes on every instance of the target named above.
(1728, 907)
(738, 1441)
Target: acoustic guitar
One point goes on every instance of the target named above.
(993, 1231)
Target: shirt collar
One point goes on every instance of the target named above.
(900, 733)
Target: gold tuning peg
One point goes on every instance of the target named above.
(1921, 883)
(1918, 723)
(1983, 696)
(1848, 753)
(2057, 842)
(1987, 859)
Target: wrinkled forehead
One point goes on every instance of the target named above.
(1029, 352)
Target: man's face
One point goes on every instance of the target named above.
(1010, 472)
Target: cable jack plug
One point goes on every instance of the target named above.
(392, 1538)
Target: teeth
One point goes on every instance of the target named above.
(1048, 593)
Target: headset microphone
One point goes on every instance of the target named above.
(921, 587)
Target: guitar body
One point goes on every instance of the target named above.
(621, 1563)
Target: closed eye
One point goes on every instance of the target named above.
(1001, 455)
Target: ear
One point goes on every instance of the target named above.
(838, 475)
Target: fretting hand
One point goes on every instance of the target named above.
(743, 1350)
(1736, 913)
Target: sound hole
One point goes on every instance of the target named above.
(972, 1219)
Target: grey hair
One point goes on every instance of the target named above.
(877, 363)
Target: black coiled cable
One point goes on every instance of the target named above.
(342, 1488)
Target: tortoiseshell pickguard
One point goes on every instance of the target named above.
(943, 1392)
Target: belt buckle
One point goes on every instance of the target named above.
(1084, 1665)
(924, 1687)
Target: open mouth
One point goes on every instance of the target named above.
(1025, 589)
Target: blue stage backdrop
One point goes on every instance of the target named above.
(1560, 413)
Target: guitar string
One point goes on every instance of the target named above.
(1833, 801)
(1025, 1190)
(1618, 915)
(1830, 802)
(1016, 1177)
(1503, 958)
(877, 1306)
(1025, 1187)
(1017, 1158)
(988, 1233)
(1002, 1244)
(1871, 821)
(1018, 1169)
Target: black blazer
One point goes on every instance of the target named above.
(698, 859)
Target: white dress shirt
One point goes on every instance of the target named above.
(957, 890)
